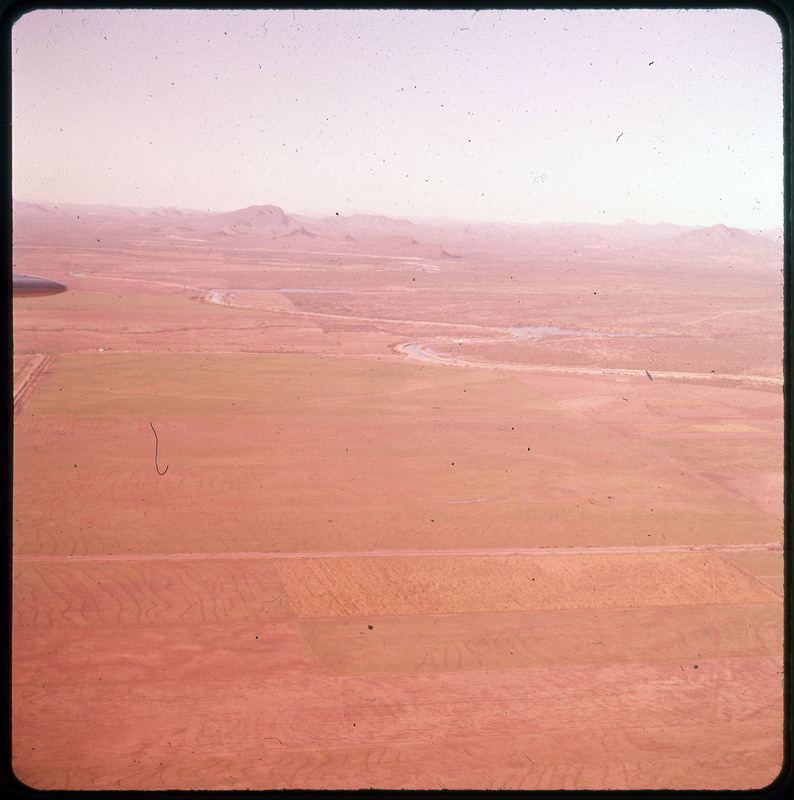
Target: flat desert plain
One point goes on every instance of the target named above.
(355, 502)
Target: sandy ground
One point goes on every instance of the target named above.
(538, 568)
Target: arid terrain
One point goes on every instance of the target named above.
(359, 502)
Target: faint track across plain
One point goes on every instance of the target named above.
(773, 547)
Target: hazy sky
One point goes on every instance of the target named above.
(514, 116)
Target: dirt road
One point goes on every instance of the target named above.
(424, 352)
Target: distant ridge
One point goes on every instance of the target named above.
(720, 239)
(716, 234)
(254, 219)
(359, 226)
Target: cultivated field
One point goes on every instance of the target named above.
(442, 508)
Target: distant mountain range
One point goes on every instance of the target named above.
(269, 225)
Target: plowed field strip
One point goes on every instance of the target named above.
(516, 551)
(320, 588)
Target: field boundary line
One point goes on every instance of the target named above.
(774, 547)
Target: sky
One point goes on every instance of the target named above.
(497, 116)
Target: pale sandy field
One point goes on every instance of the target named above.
(395, 546)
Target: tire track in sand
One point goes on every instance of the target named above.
(29, 379)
